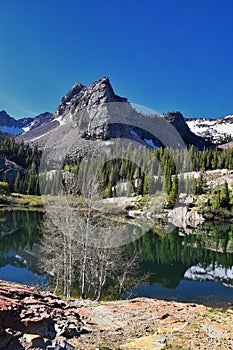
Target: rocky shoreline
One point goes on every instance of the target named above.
(32, 319)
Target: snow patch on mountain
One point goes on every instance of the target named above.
(149, 142)
(9, 125)
(61, 120)
(26, 128)
(215, 130)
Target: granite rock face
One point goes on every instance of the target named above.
(86, 107)
(81, 97)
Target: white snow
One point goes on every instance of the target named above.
(38, 137)
(61, 120)
(11, 130)
(150, 143)
(18, 257)
(225, 128)
(215, 128)
(26, 128)
(210, 273)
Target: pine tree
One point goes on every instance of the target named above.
(4, 188)
(17, 184)
(109, 191)
(216, 199)
(187, 185)
(199, 185)
(225, 197)
(214, 162)
(172, 198)
(32, 184)
(5, 178)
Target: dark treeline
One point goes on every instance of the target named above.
(140, 171)
(132, 171)
(26, 181)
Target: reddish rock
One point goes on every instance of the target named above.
(24, 309)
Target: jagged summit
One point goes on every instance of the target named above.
(96, 113)
(75, 90)
(80, 97)
(176, 118)
(105, 86)
(178, 121)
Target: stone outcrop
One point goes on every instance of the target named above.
(31, 319)
(182, 217)
(178, 121)
(81, 97)
(226, 145)
(29, 316)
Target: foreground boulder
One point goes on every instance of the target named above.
(40, 316)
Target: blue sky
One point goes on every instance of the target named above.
(163, 54)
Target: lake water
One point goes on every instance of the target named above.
(173, 265)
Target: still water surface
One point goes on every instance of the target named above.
(196, 267)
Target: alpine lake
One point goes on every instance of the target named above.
(172, 265)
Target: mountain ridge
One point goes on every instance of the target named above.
(12, 126)
(100, 114)
(92, 109)
(216, 130)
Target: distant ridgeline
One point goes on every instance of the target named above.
(19, 164)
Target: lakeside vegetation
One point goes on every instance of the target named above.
(171, 171)
(74, 266)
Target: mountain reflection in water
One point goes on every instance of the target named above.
(173, 265)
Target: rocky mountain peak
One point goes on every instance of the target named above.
(5, 119)
(81, 97)
(105, 91)
(3, 113)
(93, 114)
(74, 91)
(174, 116)
(177, 120)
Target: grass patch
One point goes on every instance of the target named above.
(26, 200)
(216, 311)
